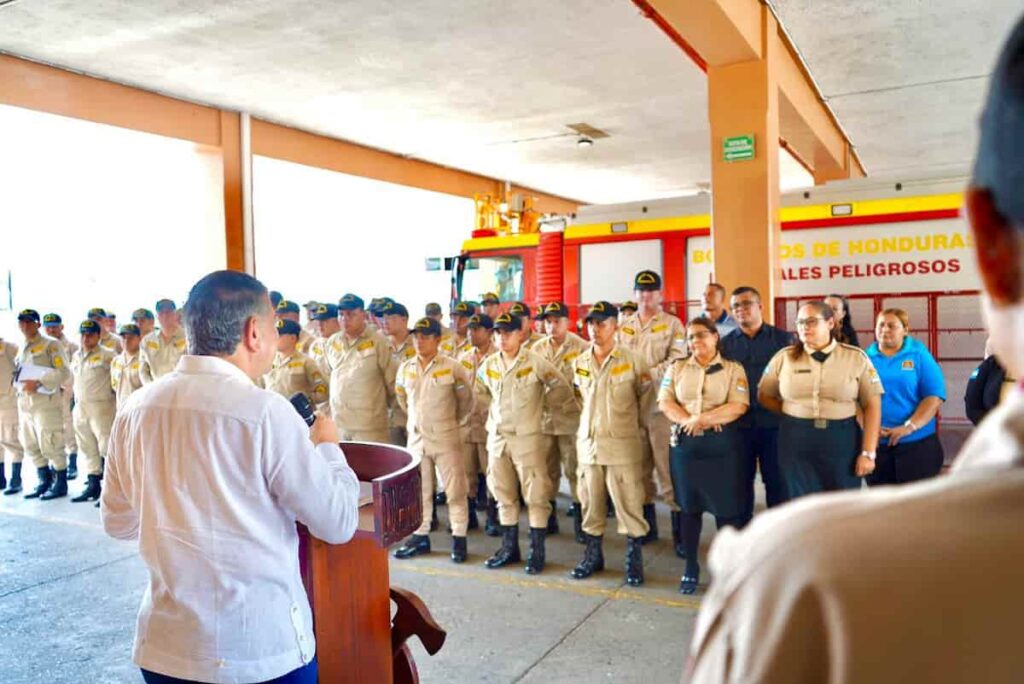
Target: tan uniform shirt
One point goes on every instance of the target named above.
(519, 392)
(698, 389)
(562, 357)
(657, 343)
(615, 397)
(70, 347)
(91, 370)
(110, 342)
(296, 373)
(42, 351)
(305, 340)
(401, 354)
(916, 583)
(8, 361)
(453, 346)
(125, 375)
(318, 352)
(535, 338)
(830, 390)
(362, 380)
(475, 424)
(160, 355)
(437, 398)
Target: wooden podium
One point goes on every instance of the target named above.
(348, 584)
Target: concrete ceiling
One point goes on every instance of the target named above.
(906, 78)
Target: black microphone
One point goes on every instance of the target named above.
(301, 403)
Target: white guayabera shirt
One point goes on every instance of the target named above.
(210, 473)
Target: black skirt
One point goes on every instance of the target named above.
(818, 460)
(907, 461)
(708, 473)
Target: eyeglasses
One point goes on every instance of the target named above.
(736, 306)
(811, 322)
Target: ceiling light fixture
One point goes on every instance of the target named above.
(584, 142)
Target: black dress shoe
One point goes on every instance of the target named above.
(440, 499)
(634, 561)
(58, 488)
(509, 551)
(458, 549)
(418, 545)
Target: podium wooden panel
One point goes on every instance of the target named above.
(349, 586)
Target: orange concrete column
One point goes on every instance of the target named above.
(743, 100)
(231, 151)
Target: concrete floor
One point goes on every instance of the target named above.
(69, 596)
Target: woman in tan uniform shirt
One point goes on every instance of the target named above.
(819, 386)
(703, 396)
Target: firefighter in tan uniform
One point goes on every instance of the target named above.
(458, 342)
(9, 443)
(520, 384)
(325, 325)
(362, 378)
(108, 340)
(396, 327)
(145, 321)
(94, 405)
(53, 325)
(561, 348)
(293, 371)
(490, 305)
(615, 389)
(125, 369)
(530, 336)
(474, 428)
(162, 348)
(288, 310)
(41, 425)
(658, 339)
(433, 310)
(436, 391)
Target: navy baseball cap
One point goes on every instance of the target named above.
(508, 322)
(647, 280)
(481, 321)
(285, 327)
(129, 329)
(142, 313)
(52, 319)
(287, 306)
(628, 306)
(96, 312)
(275, 298)
(520, 309)
(28, 315)
(166, 305)
(427, 326)
(557, 309)
(89, 327)
(391, 308)
(490, 298)
(463, 309)
(432, 309)
(999, 166)
(602, 311)
(350, 302)
(325, 312)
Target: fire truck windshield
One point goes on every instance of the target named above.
(500, 274)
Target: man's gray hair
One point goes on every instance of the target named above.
(216, 311)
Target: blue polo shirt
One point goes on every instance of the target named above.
(908, 376)
(754, 353)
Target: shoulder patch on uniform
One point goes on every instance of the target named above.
(523, 372)
(569, 357)
(622, 368)
(296, 364)
(658, 328)
(441, 373)
(152, 344)
(491, 373)
(58, 361)
(366, 344)
(468, 364)
(741, 386)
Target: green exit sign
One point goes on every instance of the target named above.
(738, 148)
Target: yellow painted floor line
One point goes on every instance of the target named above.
(52, 519)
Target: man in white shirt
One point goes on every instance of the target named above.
(211, 473)
(911, 583)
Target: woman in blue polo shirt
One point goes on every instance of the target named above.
(914, 389)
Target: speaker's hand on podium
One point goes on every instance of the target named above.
(323, 430)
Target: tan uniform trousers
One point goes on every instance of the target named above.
(520, 463)
(93, 420)
(474, 457)
(70, 441)
(379, 436)
(625, 484)
(562, 459)
(9, 442)
(656, 459)
(41, 430)
(453, 474)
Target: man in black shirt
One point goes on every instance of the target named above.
(752, 345)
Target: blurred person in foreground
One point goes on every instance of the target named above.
(211, 473)
(913, 583)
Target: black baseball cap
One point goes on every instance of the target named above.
(427, 326)
(287, 327)
(520, 309)
(90, 327)
(28, 315)
(647, 280)
(628, 305)
(602, 311)
(490, 298)
(481, 321)
(507, 321)
(432, 309)
(556, 309)
(463, 309)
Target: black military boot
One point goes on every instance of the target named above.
(45, 480)
(3, 476)
(535, 558)
(509, 551)
(677, 534)
(14, 486)
(58, 488)
(72, 465)
(652, 522)
(553, 519)
(593, 559)
(634, 561)
(418, 545)
(474, 521)
(481, 492)
(91, 491)
(491, 527)
(440, 499)
(433, 520)
(573, 511)
(577, 528)
(458, 549)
